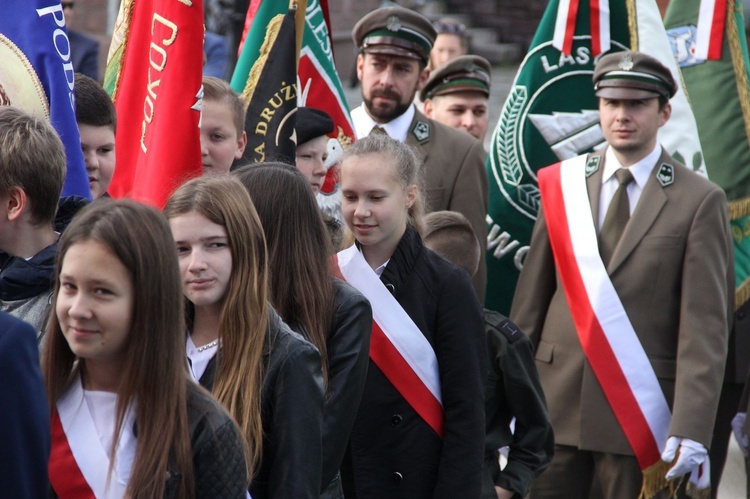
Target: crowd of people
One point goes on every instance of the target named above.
(242, 343)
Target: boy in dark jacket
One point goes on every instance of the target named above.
(32, 172)
(512, 390)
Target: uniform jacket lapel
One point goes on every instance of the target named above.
(594, 185)
(649, 206)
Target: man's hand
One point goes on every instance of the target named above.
(691, 455)
(738, 422)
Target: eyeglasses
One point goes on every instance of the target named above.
(68, 5)
(449, 28)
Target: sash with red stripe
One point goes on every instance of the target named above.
(79, 465)
(709, 36)
(565, 26)
(64, 475)
(397, 346)
(607, 337)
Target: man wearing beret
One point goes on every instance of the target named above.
(456, 94)
(395, 48)
(625, 293)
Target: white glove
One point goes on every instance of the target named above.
(701, 476)
(692, 454)
(738, 422)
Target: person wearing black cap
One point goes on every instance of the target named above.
(626, 293)
(312, 128)
(456, 94)
(395, 45)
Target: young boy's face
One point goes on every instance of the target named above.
(98, 145)
(221, 142)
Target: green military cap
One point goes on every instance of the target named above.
(467, 73)
(395, 31)
(632, 75)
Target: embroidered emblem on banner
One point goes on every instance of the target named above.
(665, 175)
(592, 165)
(421, 131)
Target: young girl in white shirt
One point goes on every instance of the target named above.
(126, 419)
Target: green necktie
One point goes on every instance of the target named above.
(376, 130)
(617, 217)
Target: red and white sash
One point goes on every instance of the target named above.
(78, 463)
(397, 346)
(709, 36)
(565, 26)
(607, 337)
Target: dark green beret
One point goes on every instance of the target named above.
(395, 31)
(467, 73)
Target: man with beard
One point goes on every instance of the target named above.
(395, 47)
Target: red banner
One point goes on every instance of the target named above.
(156, 96)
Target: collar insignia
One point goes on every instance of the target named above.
(626, 62)
(665, 175)
(421, 131)
(592, 165)
(394, 24)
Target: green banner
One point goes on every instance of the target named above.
(550, 114)
(720, 97)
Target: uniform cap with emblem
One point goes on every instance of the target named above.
(395, 31)
(311, 123)
(467, 73)
(632, 75)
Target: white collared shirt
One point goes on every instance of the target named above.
(199, 359)
(397, 128)
(640, 170)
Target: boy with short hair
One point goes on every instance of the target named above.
(32, 172)
(512, 389)
(97, 124)
(223, 137)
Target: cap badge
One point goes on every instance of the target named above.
(421, 131)
(626, 62)
(394, 24)
(592, 165)
(665, 175)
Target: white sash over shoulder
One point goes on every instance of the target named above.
(397, 345)
(89, 454)
(606, 334)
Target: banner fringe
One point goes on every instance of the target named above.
(272, 33)
(696, 493)
(738, 64)
(739, 208)
(654, 481)
(632, 24)
(742, 294)
(117, 49)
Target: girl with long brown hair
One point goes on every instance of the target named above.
(268, 377)
(332, 315)
(127, 421)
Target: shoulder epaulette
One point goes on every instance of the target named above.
(510, 330)
(506, 326)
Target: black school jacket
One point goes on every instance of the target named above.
(393, 452)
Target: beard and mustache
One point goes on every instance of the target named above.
(387, 113)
